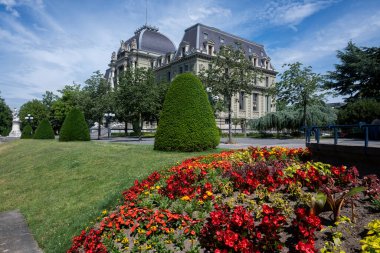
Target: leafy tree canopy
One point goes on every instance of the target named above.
(5, 118)
(300, 88)
(36, 109)
(358, 74)
(363, 110)
(229, 73)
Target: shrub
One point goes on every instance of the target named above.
(363, 110)
(187, 122)
(74, 127)
(27, 132)
(44, 130)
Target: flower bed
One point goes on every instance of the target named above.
(254, 200)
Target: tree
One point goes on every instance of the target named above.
(292, 117)
(96, 99)
(5, 118)
(299, 87)
(35, 108)
(70, 98)
(27, 132)
(74, 127)
(358, 74)
(138, 96)
(44, 130)
(48, 99)
(363, 110)
(187, 122)
(229, 73)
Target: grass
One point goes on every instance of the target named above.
(61, 187)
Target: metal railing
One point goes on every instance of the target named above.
(317, 131)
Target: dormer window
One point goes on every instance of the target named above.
(183, 51)
(250, 50)
(221, 40)
(205, 36)
(168, 58)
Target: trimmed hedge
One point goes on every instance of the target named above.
(44, 130)
(187, 122)
(27, 132)
(74, 127)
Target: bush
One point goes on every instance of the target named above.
(44, 130)
(74, 127)
(187, 122)
(363, 110)
(27, 132)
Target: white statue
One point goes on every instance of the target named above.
(15, 132)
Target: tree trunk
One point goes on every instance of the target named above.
(304, 115)
(229, 120)
(99, 128)
(141, 126)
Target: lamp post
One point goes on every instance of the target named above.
(108, 117)
(29, 118)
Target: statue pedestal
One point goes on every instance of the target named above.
(15, 132)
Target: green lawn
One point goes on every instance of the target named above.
(62, 187)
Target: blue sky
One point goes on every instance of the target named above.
(47, 44)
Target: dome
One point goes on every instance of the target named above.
(148, 38)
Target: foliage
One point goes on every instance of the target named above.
(358, 73)
(44, 130)
(138, 96)
(334, 245)
(74, 127)
(371, 243)
(36, 109)
(230, 72)
(96, 99)
(292, 117)
(27, 132)
(299, 87)
(5, 118)
(61, 106)
(363, 110)
(187, 122)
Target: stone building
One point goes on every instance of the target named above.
(151, 49)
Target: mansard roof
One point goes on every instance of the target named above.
(197, 35)
(148, 38)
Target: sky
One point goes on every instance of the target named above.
(47, 44)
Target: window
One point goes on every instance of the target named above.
(183, 51)
(254, 62)
(221, 40)
(151, 64)
(205, 36)
(267, 103)
(210, 49)
(180, 70)
(169, 77)
(242, 101)
(168, 58)
(266, 81)
(255, 104)
(250, 50)
(226, 121)
(186, 68)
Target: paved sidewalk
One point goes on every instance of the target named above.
(15, 236)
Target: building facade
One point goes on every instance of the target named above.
(151, 49)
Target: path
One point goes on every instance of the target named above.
(15, 236)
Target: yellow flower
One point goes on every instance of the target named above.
(200, 202)
(209, 193)
(146, 193)
(125, 240)
(104, 212)
(185, 198)
(158, 187)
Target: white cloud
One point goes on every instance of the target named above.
(291, 13)
(316, 48)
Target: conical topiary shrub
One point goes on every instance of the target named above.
(27, 132)
(44, 130)
(187, 122)
(74, 127)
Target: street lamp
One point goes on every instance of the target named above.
(108, 117)
(29, 118)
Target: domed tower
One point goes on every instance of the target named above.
(147, 48)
